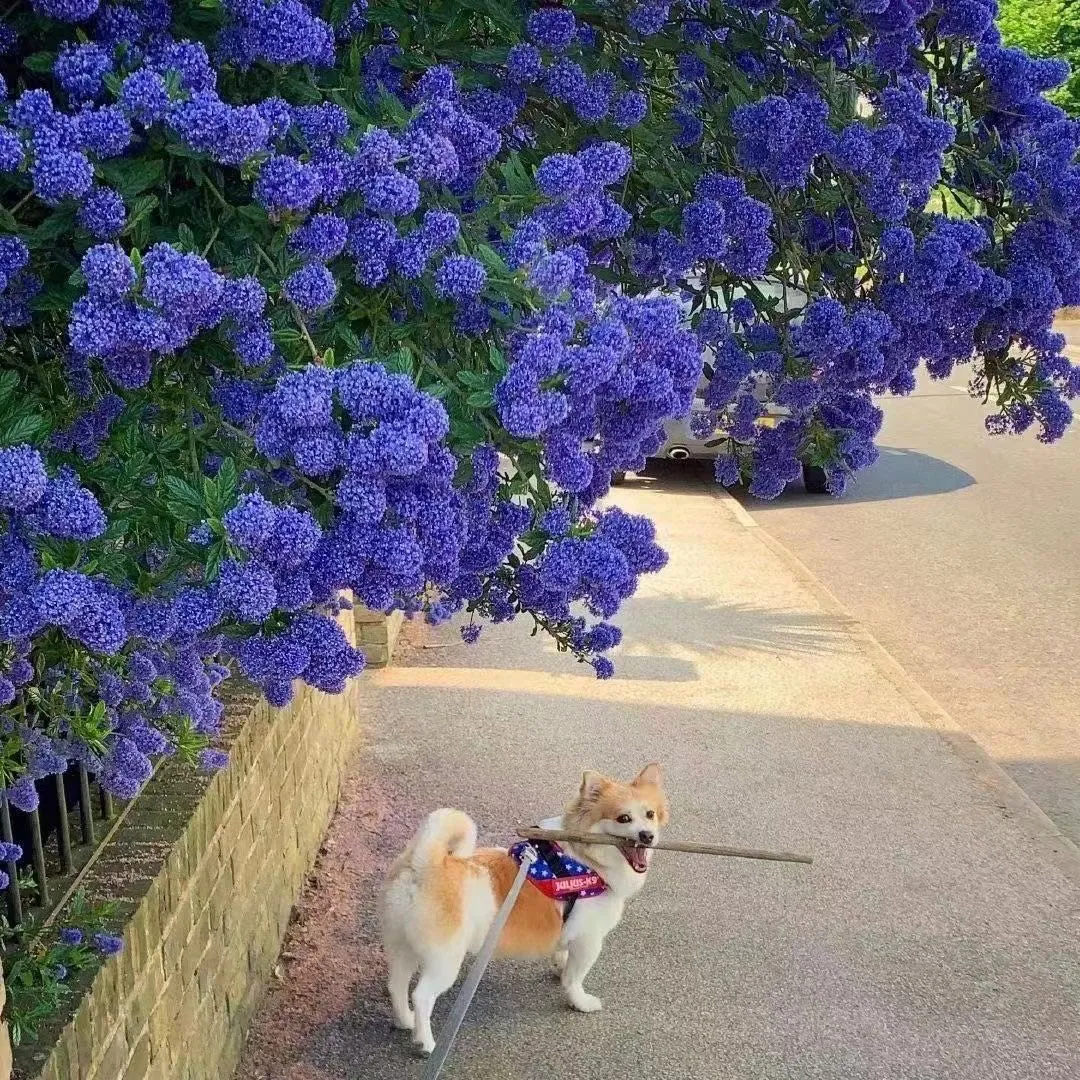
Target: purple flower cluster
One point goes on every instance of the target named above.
(600, 570)
(278, 32)
(552, 28)
(581, 208)
(460, 277)
(58, 507)
(103, 213)
(127, 319)
(81, 69)
(376, 439)
(781, 136)
(17, 284)
(724, 225)
(898, 161)
(611, 388)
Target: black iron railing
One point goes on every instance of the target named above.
(52, 854)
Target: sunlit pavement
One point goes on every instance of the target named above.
(962, 554)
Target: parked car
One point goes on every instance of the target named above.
(681, 444)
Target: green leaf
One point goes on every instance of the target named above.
(336, 10)
(480, 399)
(390, 107)
(221, 491)
(400, 362)
(472, 379)
(518, 181)
(133, 176)
(348, 338)
(28, 427)
(182, 492)
(139, 209)
(254, 213)
(40, 63)
(51, 229)
(9, 380)
(492, 259)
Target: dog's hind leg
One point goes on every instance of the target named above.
(558, 962)
(437, 974)
(401, 967)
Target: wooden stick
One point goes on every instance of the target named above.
(664, 845)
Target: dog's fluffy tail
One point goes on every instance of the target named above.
(445, 834)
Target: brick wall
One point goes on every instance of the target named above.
(377, 634)
(5, 1038)
(209, 914)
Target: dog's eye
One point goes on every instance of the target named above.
(624, 819)
(650, 814)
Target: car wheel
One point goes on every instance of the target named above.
(815, 480)
(618, 478)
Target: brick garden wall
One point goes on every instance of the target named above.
(5, 1038)
(208, 921)
(377, 634)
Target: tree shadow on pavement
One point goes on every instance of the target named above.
(670, 651)
(663, 627)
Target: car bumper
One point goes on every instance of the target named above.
(681, 444)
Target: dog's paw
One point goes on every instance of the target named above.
(586, 1003)
(424, 1047)
(404, 1023)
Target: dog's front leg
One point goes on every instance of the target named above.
(581, 955)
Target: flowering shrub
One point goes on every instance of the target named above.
(41, 962)
(1047, 28)
(304, 297)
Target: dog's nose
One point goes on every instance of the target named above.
(646, 837)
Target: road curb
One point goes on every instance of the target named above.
(1011, 798)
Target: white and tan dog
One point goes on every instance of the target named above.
(442, 894)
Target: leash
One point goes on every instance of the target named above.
(465, 995)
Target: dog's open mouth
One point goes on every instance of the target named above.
(636, 857)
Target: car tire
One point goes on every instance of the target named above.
(618, 478)
(815, 480)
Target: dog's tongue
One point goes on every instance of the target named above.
(636, 857)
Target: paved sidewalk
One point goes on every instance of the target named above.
(936, 936)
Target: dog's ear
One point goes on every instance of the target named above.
(650, 775)
(592, 785)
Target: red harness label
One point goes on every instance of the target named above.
(559, 888)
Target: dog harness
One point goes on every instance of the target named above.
(558, 875)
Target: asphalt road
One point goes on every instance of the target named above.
(961, 553)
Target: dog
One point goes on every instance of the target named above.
(442, 894)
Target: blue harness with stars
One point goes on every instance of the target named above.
(558, 875)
